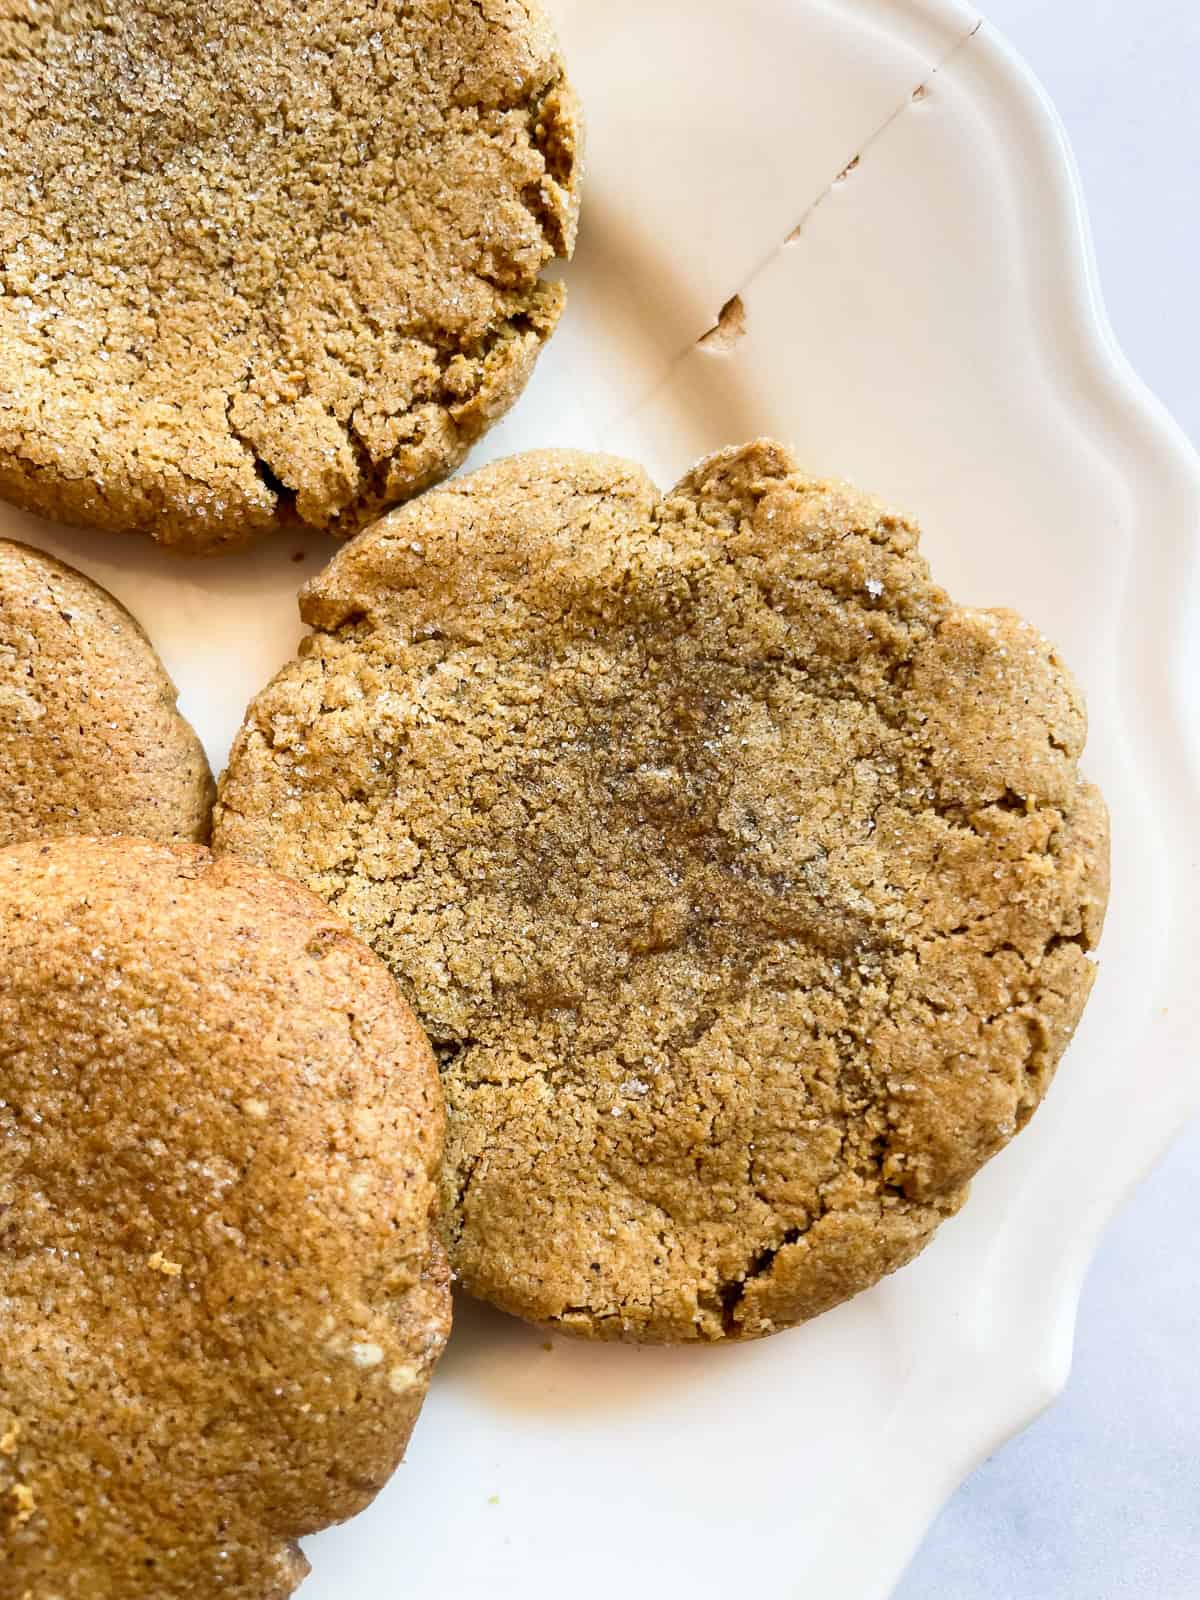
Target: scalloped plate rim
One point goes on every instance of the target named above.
(1059, 1270)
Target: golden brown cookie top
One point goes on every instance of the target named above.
(264, 261)
(220, 1130)
(90, 738)
(744, 882)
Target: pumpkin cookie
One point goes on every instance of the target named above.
(90, 739)
(744, 882)
(220, 1131)
(267, 263)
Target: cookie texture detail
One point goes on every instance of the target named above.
(745, 883)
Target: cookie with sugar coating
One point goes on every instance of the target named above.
(91, 740)
(270, 265)
(746, 884)
(220, 1137)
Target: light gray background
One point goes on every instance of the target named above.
(1101, 1497)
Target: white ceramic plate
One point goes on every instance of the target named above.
(928, 325)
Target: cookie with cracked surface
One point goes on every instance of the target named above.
(90, 737)
(220, 1135)
(744, 882)
(265, 263)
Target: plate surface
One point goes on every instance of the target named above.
(926, 323)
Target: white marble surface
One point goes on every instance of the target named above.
(1101, 1497)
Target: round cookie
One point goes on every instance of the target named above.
(220, 1132)
(744, 883)
(90, 738)
(266, 263)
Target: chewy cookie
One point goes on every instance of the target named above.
(90, 738)
(265, 262)
(744, 882)
(220, 1132)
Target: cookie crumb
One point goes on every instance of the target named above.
(159, 1263)
(25, 1503)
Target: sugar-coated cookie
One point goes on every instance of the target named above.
(220, 1134)
(91, 740)
(267, 263)
(744, 882)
